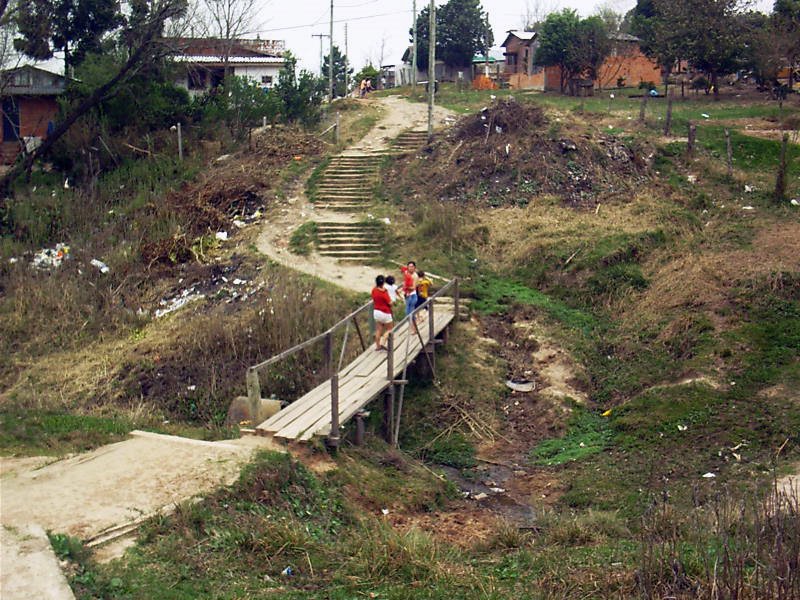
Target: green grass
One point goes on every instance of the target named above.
(33, 432)
(496, 295)
(303, 239)
(588, 434)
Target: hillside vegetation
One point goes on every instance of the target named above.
(652, 299)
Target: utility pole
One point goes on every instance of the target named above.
(346, 63)
(330, 60)
(321, 59)
(431, 66)
(414, 52)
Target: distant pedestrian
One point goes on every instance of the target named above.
(362, 87)
(369, 85)
(382, 311)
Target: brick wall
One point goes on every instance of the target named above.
(634, 67)
(35, 113)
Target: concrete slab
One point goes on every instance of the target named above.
(29, 568)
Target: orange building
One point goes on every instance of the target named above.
(626, 64)
(29, 108)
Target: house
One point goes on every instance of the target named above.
(404, 72)
(520, 71)
(29, 107)
(627, 64)
(204, 61)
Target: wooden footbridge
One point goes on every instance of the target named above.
(348, 388)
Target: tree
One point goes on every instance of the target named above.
(146, 47)
(229, 20)
(462, 30)
(612, 20)
(368, 72)
(340, 71)
(75, 27)
(536, 12)
(660, 27)
(299, 94)
(241, 105)
(557, 37)
(786, 19)
(592, 46)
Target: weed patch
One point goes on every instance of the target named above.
(587, 434)
(304, 238)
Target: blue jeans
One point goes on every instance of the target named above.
(411, 303)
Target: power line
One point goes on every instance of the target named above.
(389, 14)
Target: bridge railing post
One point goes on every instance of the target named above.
(253, 387)
(328, 355)
(431, 329)
(333, 437)
(456, 302)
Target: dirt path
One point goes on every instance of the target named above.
(398, 115)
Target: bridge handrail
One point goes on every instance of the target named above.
(254, 385)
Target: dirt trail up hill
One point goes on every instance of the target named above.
(104, 494)
(399, 115)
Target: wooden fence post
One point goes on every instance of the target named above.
(388, 398)
(328, 370)
(333, 437)
(643, 109)
(729, 152)
(338, 126)
(692, 138)
(780, 179)
(456, 302)
(668, 120)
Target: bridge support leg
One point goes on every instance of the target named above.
(360, 416)
(388, 413)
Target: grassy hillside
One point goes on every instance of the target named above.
(653, 301)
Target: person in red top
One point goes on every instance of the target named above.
(410, 278)
(382, 305)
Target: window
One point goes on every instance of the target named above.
(266, 80)
(197, 80)
(22, 79)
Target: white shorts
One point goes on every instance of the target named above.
(382, 317)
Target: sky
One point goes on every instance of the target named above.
(376, 24)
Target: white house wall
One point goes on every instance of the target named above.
(255, 73)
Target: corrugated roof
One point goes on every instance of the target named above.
(522, 34)
(232, 60)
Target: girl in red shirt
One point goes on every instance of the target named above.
(382, 305)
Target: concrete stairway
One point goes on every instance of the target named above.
(347, 183)
(410, 141)
(352, 242)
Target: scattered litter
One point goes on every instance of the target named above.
(611, 96)
(492, 97)
(239, 224)
(521, 386)
(709, 476)
(191, 388)
(748, 208)
(480, 496)
(100, 265)
(705, 116)
(172, 304)
(794, 202)
(221, 236)
(611, 127)
(222, 158)
(498, 129)
(582, 445)
(387, 220)
(48, 258)
(508, 149)
(606, 413)
(384, 511)
(682, 427)
(691, 178)
(66, 184)
(287, 572)
(498, 490)
(748, 189)
(12, 260)
(238, 281)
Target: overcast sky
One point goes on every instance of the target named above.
(372, 23)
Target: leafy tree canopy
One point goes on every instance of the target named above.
(462, 30)
(75, 27)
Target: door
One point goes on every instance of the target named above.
(10, 120)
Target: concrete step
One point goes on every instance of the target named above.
(351, 255)
(322, 249)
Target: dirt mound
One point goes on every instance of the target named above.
(510, 152)
(235, 187)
